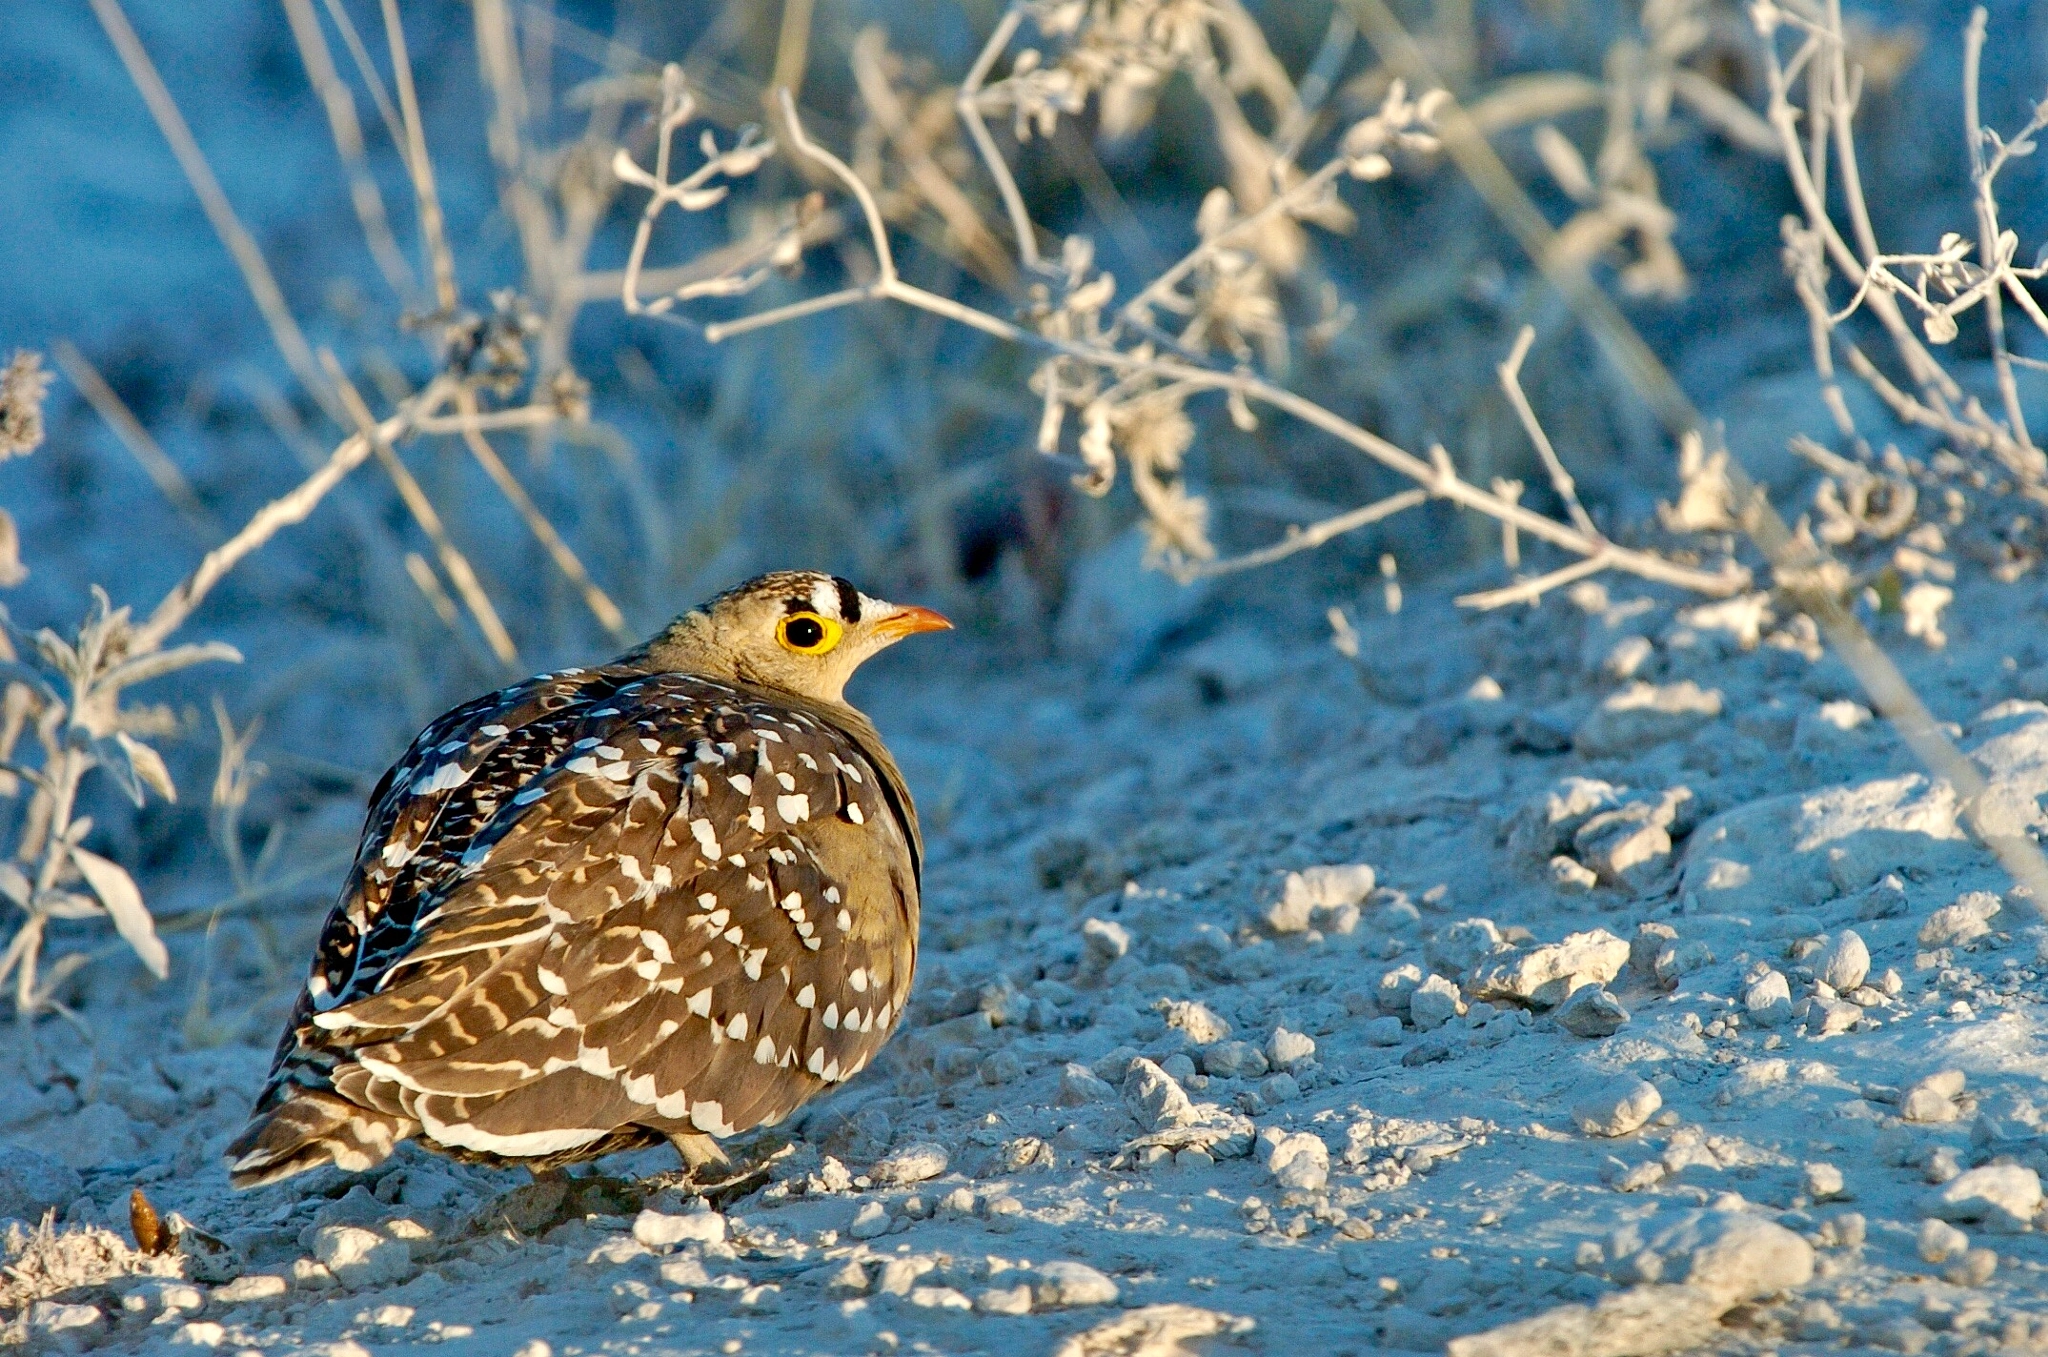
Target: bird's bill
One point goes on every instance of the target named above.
(909, 621)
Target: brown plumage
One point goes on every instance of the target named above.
(673, 897)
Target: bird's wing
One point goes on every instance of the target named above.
(450, 784)
(694, 917)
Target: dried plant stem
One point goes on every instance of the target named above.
(432, 227)
(938, 188)
(359, 53)
(1981, 176)
(1307, 538)
(423, 513)
(1560, 479)
(968, 102)
(283, 512)
(262, 284)
(600, 604)
(347, 132)
(155, 462)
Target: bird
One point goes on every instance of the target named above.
(669, 898)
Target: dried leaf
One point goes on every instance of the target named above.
(117, 891)
(145, 667)
(150, 1235)
(148, 765)
(12, 571)
(1564, 162)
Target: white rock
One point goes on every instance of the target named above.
(1204, 1026)
(1737, 1257)
(1940, 1241)
(56, 1317)
(1435, 1002)
(1457, 949)
(1299, 1162)
(31, 1184)
(870, 1221)
(1932, 1100)
(251, 1289)
(1314, 890)
(1004, 1300)
(1616, 1107)
(1824, 1182)
(1964, 921)
(1644, 715)
(1639, 1322)
(1234, 1060)
(1769, 999)
(360, 1258)
(1592, 1012)
(1679, 958)
(1800, 849)
(2005, 1194)
(663, 1230)
(1280, 1087)
(1384, 1030)
(1545, 825)
(1550, 972)
(1844, 962)
(914, 1163)
(1572, 876)
(199, 1333)
(1155, 1098)
(1105, 940)
(1396, 987)
(1285, 1049)
(1080, 1086)
(1825, 1017)
(1064, 1283)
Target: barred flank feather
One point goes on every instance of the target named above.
(309, 1128)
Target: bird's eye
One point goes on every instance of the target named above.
(808, 633)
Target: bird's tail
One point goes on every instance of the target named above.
(305, 1128)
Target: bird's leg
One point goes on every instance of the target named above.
(709, 1171)
(699, 1152)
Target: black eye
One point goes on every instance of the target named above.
(803, 632)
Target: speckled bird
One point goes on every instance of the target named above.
(671, 898)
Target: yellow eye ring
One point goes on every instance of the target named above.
(808, 633)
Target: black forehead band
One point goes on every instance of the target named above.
(849, 599)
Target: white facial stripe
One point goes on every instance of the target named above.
(825, 598)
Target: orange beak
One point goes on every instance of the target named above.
(910, 621)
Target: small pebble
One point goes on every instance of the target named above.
(870, 1221)
(1435, 1002)
(1940, 1241)
(1065, 1283)
(1824, 1182)
(1285, 1049)
(1592, 1012)
(1617, 1108)
(1004, 1300)
(1844, 963)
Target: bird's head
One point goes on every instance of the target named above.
(796, 631)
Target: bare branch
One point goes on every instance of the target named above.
(1560, 479)
(1307, 538)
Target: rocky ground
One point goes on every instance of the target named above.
(1593, 979)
